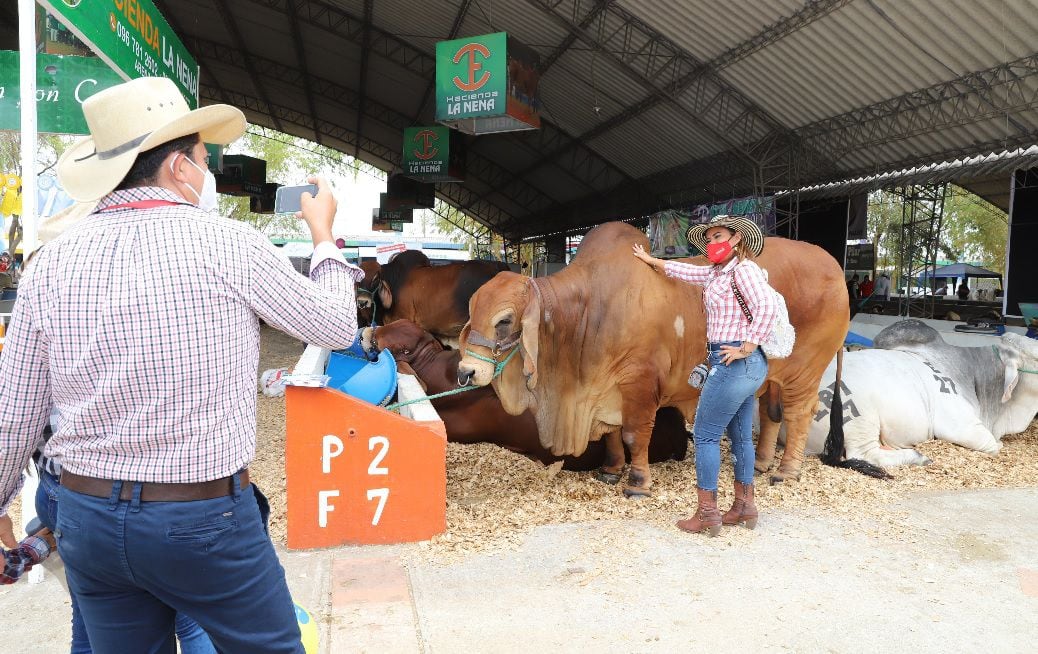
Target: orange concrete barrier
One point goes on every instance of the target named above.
(358, 474)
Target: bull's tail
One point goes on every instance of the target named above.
(832, 452)
(773, 396)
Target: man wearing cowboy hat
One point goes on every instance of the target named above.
(140, 326)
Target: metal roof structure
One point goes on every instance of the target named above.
(647, 104)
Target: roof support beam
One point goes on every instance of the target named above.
(993, 93)
(584, 21)
(635, 42)
(232, 28)
(483, 171)
(369, 6)
(723, 175)
(297, 42)
(708, 95)
(459, 18)
(332, 19)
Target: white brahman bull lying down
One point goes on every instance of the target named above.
(914, 386)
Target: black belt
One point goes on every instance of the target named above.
(153, 491)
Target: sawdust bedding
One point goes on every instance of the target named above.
(495, 496)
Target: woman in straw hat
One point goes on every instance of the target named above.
(139, 324)
(732, 286)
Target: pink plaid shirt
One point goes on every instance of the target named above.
(725, 320)
(141, 328)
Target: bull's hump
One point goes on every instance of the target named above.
(908, 333)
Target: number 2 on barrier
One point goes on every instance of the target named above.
(375, 469)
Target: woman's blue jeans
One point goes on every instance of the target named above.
(193, 640)
(727, 402)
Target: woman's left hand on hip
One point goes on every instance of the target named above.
(730, 353)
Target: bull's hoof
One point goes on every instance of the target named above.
(608, 477)
(779, 476)
(761, 466)
(636, 493)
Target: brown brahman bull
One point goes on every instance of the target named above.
(476, 416)
(606, 341)
(434, 297)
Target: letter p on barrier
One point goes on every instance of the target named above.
(329, 442)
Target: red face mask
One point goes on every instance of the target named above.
(718, 252)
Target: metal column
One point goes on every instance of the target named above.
(922, 214)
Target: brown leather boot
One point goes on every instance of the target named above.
(743, 510)
(707, 517)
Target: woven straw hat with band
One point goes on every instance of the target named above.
(752, 235)
(133, 117)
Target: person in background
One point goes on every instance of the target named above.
(24, 555)
(881, 289)
(942, 290)
(853, 287)
(866, 288)
(963, 291)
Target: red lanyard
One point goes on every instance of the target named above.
(142, 204)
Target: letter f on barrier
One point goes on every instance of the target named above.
(323, 507)
(331, 447)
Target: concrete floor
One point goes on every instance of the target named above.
(968, 582)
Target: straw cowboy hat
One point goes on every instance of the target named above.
(130, 118)
(751, 233)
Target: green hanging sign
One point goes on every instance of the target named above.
(132, 37)
(62, 84)
(433, 154)
(487, 84)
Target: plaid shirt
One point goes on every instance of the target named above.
(20, 560)
(725, 320)
(141, 327)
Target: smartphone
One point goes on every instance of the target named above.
(288, 199)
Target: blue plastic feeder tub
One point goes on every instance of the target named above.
(371, 381)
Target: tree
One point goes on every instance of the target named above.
(973, 230)
(482, 242)
(289, 161)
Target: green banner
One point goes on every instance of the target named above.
(132, 37)
(472, 77)
(62, 84)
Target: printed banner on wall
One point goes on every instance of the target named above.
(667, 228)
(759, 210)
(667, 234)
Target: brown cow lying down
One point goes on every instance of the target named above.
(436, 298)
(476, 416)
(605, 342)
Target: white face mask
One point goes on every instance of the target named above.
(207, 198)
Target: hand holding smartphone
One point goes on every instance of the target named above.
(288, 199)
(317, 209)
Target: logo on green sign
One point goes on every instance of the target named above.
(471, 77)
(426, 151)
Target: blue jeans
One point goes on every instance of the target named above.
(726, 402)
(133, 565)
(192, 639)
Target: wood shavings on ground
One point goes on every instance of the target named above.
(494, 496)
